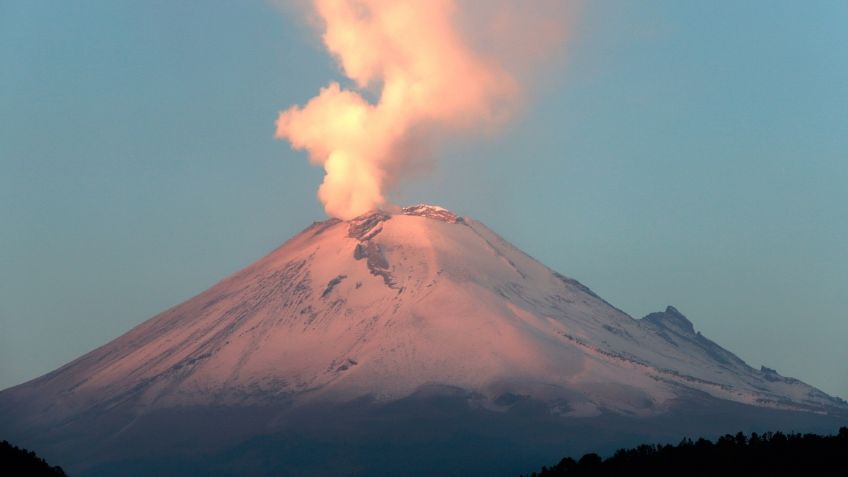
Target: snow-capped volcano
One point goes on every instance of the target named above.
(384, 307)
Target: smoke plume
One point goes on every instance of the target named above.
(434, 73)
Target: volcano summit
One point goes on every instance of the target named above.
(415, 343)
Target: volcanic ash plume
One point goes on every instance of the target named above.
(430, 82)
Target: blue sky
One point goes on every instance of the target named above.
(683, 152)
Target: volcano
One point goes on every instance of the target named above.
(415, 342)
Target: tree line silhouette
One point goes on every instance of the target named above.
(772, 454)
(15, 461)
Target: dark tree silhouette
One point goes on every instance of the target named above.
(772, 454)
(15, 461)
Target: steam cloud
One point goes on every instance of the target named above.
(439, 67)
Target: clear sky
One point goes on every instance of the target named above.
(684, 152)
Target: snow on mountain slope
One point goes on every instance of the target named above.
(386, 304)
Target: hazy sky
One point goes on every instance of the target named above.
(684, 152)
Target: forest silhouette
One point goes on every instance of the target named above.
(15, 461)
(772, 454)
